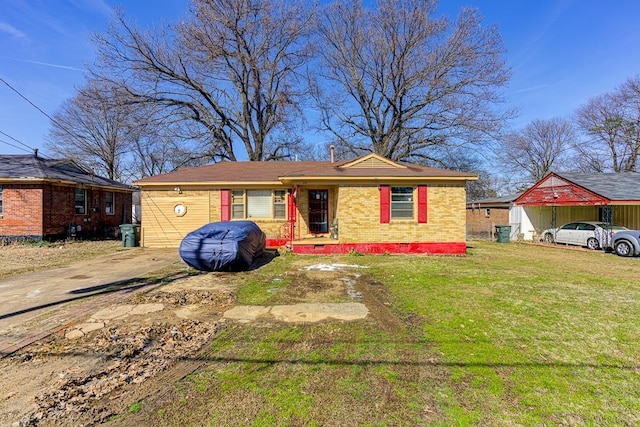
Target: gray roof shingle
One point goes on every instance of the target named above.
(30, 167)
(613, 186)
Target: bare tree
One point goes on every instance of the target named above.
(103, 131)
(228, 72)
(398, 80)
(90, 129)
(612, 123)
(463, 160)
(539, 148)
(158, 145)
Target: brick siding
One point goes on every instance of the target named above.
(359, 216)
(357, 208)
(47, 211)
(479, 225)
(21, 210)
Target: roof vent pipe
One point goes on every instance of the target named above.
(331, 151)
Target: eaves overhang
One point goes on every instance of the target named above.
(301, 180)
(220, 184)
(28, 180)
(369, 179)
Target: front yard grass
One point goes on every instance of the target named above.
(508, 335)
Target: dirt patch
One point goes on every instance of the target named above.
(124, 353)
(313, 288)
(79, 375)
(24, 258)
(122, 359)
(349, 380)
(299, 313)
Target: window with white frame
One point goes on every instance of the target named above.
(108, 203)
(1, 200)
(237, 204)
(81, 201)
(279, 204)
(258, 204)
(401, 202)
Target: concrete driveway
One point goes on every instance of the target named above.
(28, 296)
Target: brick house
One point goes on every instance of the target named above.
(52, 199)
(369, 204)
(483, 216)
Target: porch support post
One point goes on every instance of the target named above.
(292, 213)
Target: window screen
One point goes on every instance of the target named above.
(81, 201)
(258, 203)
(401, 202)
(108, 203)
(237, 204)
(279, 204)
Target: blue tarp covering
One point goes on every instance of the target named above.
(228, 245)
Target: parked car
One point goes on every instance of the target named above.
(626, 243)
(592, 234)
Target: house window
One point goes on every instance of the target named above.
(279, 204)
(0, 200)
(108, 203)
(81, 201)
(259, 203)
(487, 213)
(237, 204)
(401, 202)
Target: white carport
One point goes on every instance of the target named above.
(612, 198)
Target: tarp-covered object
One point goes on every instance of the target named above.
(228, 245)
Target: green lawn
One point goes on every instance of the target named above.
(511, 334)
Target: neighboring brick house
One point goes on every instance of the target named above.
(483, 216)
(369, 204)
(52, 199)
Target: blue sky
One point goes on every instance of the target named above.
(561, 53)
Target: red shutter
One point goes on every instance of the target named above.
(385, 207)
(422, 203)
(225, 205)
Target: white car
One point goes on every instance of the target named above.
(592, 234)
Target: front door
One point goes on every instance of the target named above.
(318, 211)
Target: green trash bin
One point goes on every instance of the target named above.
(504, 233)
(130, 233)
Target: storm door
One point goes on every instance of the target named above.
(318, 211)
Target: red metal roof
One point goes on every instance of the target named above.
(554, 190)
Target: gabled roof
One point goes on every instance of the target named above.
(578, 189)
(370, 167)
(372, 161)
(30, 168)
(613, 186)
